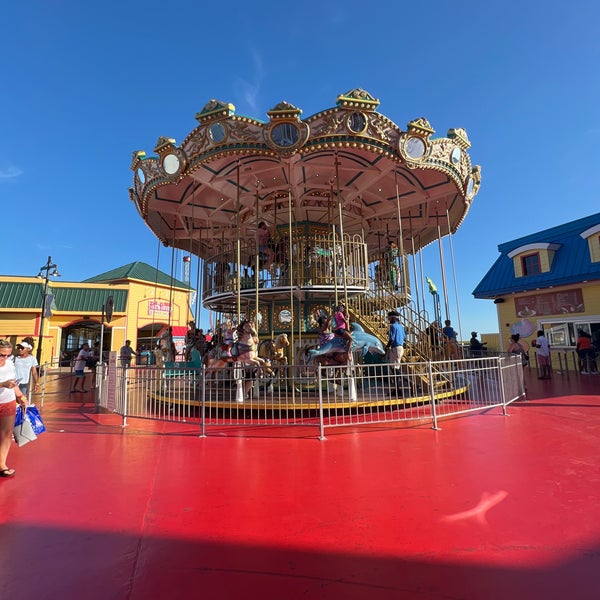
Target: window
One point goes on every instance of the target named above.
(564, 334)
(593, 239)
(531, 264)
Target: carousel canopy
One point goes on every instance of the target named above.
(348, 165)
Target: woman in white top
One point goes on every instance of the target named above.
(9, 392)
(26, 366)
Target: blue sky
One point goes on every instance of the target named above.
(86, 84)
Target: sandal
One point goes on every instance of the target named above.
(7, 473)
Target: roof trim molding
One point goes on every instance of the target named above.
(589, 232)
(536, 246)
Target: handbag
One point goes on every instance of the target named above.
(34, 417)
(23, 430)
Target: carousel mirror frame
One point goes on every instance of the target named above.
(279, 323)
(263, 318)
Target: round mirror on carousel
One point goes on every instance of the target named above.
(415, 147)
(284, 318)
(455, 156)
(357, 122)
(285, 134)
(141, 176)
(217, 132)
(171, 164)
(470, 187)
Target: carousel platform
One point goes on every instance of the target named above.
(487, 507)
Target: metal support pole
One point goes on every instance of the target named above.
(45, 273)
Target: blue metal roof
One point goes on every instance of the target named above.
(572, 262)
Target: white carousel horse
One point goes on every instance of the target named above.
(245, 351)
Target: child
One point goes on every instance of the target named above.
(325, 334)
(229, 338)
(341, 326)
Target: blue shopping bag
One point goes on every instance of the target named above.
(33, 414)
(23, 430)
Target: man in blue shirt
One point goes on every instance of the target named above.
(396, 339)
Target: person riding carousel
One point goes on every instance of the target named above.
(341, 326)
(325, 333)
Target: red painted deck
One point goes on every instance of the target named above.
(490, 507)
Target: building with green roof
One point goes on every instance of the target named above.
(144, 301)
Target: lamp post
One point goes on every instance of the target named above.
(45, 274)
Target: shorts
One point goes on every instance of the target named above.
(8, 409)
(79, 373)
(543, 360)
(339, 331)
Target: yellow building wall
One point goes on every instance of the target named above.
(146, 304)
(507, 317)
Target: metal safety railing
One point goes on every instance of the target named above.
(310, 395)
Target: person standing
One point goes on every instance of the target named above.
(395, 346)
(542, 348)
(586, 353)
(9, 392)
(82, 357)
(391, 264)
(475, 346)
(396, 339)
(450, 341)
(265, 245)
(26, 366)
(126, 354)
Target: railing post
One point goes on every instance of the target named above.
(203, 402)
(432, 395)
(124, 395)
(44, 381)
(501, 381)
(321, 417)
(352, 396)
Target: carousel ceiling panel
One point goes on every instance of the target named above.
(232, 172)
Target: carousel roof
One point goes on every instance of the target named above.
(231, 172)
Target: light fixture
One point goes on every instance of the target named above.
(46, 271)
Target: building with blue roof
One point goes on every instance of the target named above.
(548, 280)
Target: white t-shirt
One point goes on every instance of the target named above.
(542, 347)
(7, 372)
(23, 368)
(81, 358)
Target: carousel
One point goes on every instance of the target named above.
(292, 217)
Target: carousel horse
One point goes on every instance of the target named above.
(274, 350)
(244, 351)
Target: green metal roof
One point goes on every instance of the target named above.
(140, 271)
(18, 295)
(21, 295)
(88, 300)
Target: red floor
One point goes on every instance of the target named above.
(489, 507)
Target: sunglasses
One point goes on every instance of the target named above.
(5, 355)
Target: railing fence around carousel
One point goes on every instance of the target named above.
(313, 396)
